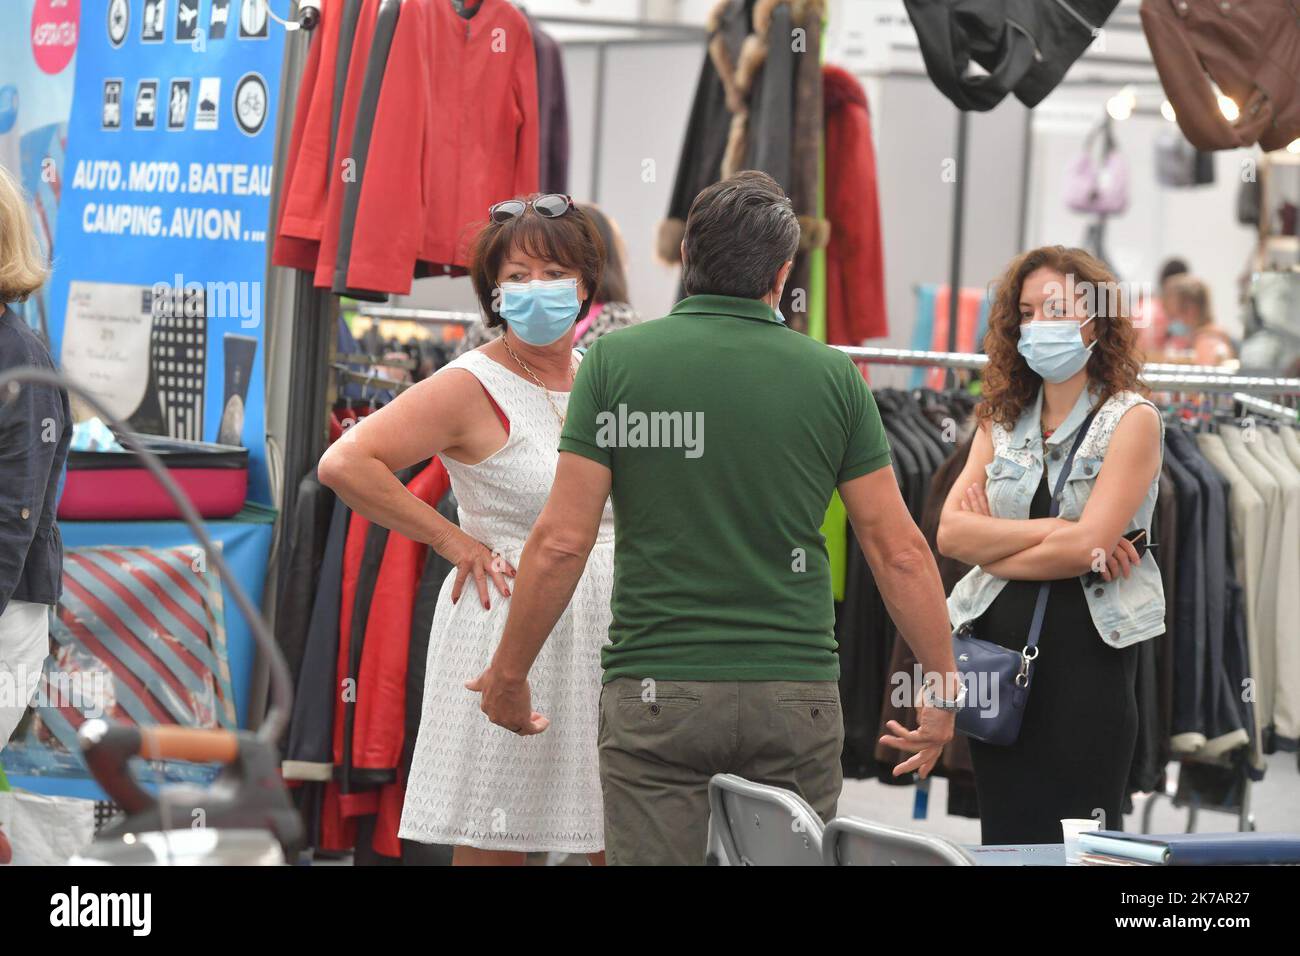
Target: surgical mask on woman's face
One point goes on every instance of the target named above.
(1054, 348)
(540, 311)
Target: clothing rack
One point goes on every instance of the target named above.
(360, 358)
(1271, 409)
(364, 378)
(422, 316)
(1188, 378)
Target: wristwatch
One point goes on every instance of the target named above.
(932, 699)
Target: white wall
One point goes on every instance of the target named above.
(1197, 224)
(916, 141)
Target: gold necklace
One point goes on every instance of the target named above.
(545, 391)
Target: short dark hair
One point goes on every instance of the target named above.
(739, 232)
(613, 281)
(571, 240)
(1171, 268)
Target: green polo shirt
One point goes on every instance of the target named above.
(725, 434)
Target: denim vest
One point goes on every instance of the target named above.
(1125, 610)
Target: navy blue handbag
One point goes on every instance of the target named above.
(997, 677)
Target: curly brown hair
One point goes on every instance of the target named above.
(1009, 384)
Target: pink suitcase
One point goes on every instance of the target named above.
(116, 486)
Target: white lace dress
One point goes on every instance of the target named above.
(473, 783)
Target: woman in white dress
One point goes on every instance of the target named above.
(493, 416)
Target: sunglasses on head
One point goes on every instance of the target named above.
(549, 206)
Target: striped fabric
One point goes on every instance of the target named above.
(140, 639)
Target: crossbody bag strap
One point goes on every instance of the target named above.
(1040, 606)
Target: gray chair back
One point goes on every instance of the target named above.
(848, 841)
(752, 824)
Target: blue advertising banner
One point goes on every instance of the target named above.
(157, 297)
(38, 46)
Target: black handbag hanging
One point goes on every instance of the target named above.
(995, 718)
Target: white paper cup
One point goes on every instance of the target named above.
(1071, 829)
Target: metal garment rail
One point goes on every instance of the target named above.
(1160, 376)
(365, 378)
(425, 316)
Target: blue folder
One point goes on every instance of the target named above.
(1198, 849)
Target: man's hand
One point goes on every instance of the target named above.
(508, 703)
(925, 744)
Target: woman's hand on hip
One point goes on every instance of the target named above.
(473, 559)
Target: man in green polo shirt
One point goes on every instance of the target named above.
(721, 435)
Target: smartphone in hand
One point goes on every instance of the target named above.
(1137, 538)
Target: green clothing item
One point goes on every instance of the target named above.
(726, 434)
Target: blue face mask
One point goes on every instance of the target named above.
(1178, 330)
(540, 312)
(1054, 348)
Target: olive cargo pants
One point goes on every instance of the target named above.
(661, 741)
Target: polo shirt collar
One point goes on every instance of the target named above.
(730, 305)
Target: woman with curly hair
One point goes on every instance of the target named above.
(1062, 356)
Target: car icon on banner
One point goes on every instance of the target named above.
(146, 104)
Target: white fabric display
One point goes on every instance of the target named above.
(24, 645)
(45, 831)
(1279, 697)
(1291, 442)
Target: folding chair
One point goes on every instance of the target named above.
(752, 824)
(848, 841)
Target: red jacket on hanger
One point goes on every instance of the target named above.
(379, 694)
(855, 263)
(455, 131)
(332, 211)
(290, 248)
(307, 181)
(377, 732)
